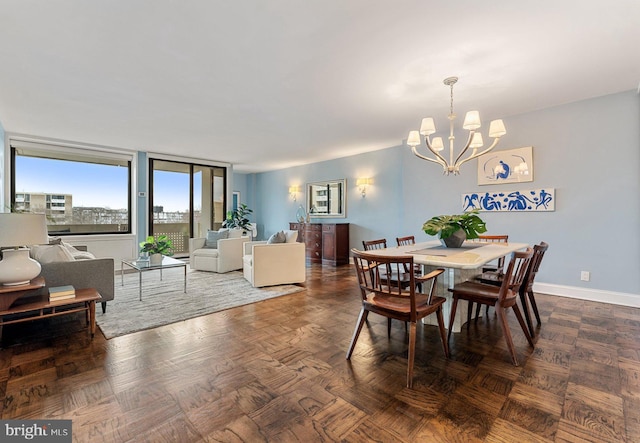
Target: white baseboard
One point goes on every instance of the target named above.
(598, 295)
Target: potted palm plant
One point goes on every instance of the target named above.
(156, 248)
(453, 230)
(239, 219)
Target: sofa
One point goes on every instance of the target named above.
(63, 264)
(221, 255)
(268, 264)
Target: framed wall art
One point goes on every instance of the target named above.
(530, 200)
(510, 166)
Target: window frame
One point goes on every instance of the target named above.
(69, 152)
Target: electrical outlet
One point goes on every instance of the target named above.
(585, 276)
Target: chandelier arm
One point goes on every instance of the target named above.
(493, 145)
(424, 157)
(440, 158)
(466, 147)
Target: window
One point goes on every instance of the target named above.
(186, 200)
(79, 190)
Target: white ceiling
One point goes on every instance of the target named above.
(267, 84)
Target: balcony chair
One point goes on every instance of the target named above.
(501, 297)
(389, 298)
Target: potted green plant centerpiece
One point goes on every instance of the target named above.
(453, 230)
(239, 219)
(156, 248)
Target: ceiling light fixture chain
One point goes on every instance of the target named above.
(471, 123)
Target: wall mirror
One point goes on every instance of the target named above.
(326, 199)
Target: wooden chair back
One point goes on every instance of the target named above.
(495, 239)
(370, 245)
(376, 276)
(404, 241)
(514, 276)
(534, 266)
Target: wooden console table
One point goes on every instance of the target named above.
(16, 306)
(326, 243)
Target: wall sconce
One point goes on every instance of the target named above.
(362, 185)
(293, 192)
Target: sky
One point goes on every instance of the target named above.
(97, 184)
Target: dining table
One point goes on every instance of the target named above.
(460, 264)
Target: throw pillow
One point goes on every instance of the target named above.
(278, 237)
(55, 241)
(211, 241)
(50, 253)
(291, 236)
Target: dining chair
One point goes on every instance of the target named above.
(500, 297)
(498, 267)
(407, 241)
(526, 290)
(372, 245)
(404, 241)
(384, 296)
(494, 239)
(401, 278)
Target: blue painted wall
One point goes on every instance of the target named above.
(589, 151)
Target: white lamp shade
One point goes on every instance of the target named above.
(476, 141)
(414, 138)
(362, 181)
(497, 129)
(437, 144)
(472, 121)
(18, 229)
(428, 126)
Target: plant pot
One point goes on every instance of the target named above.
(155, 259)
(455, 240)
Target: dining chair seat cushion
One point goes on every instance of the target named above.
(478, 290)
(402, 304)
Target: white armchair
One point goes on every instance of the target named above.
(228, 256)
(274, 264)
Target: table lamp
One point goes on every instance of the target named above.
(18, 230)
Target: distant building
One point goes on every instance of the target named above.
(57, 207)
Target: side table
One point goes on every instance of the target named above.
(14, 308)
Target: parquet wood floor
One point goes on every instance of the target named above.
(275, 371)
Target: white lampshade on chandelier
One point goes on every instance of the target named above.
(475, 142)
(17, 230)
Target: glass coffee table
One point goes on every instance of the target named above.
(144, 265)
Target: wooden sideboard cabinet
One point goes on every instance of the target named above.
(324, 242)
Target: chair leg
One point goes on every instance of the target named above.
(516, 309)
(443, 334)
(389, 327)
(525, 309)
(502, 318)
(452, 316)
(477, 311)
(362, 318)
(412, 349)
(532, 299)
(469, 312)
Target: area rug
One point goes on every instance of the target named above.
(164, 302)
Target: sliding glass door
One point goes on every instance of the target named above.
(185, 201)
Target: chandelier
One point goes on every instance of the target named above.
(475, 142)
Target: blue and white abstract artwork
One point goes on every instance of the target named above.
(515, 201)
(510, 166)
